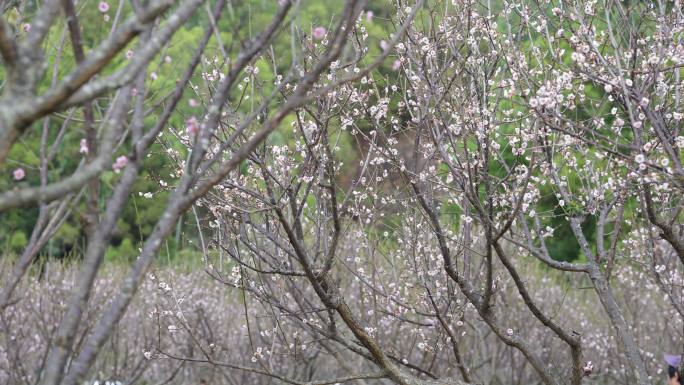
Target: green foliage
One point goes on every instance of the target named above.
(123, 253)
(18, 241)
(240, 22)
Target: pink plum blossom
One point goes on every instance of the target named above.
(120, 163)
(103, 7)
(191, 126)
(19, 174)
(319, 33)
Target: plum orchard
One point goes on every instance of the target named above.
(483, 132)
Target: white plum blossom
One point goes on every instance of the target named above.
(640, 158)
(83, 147)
